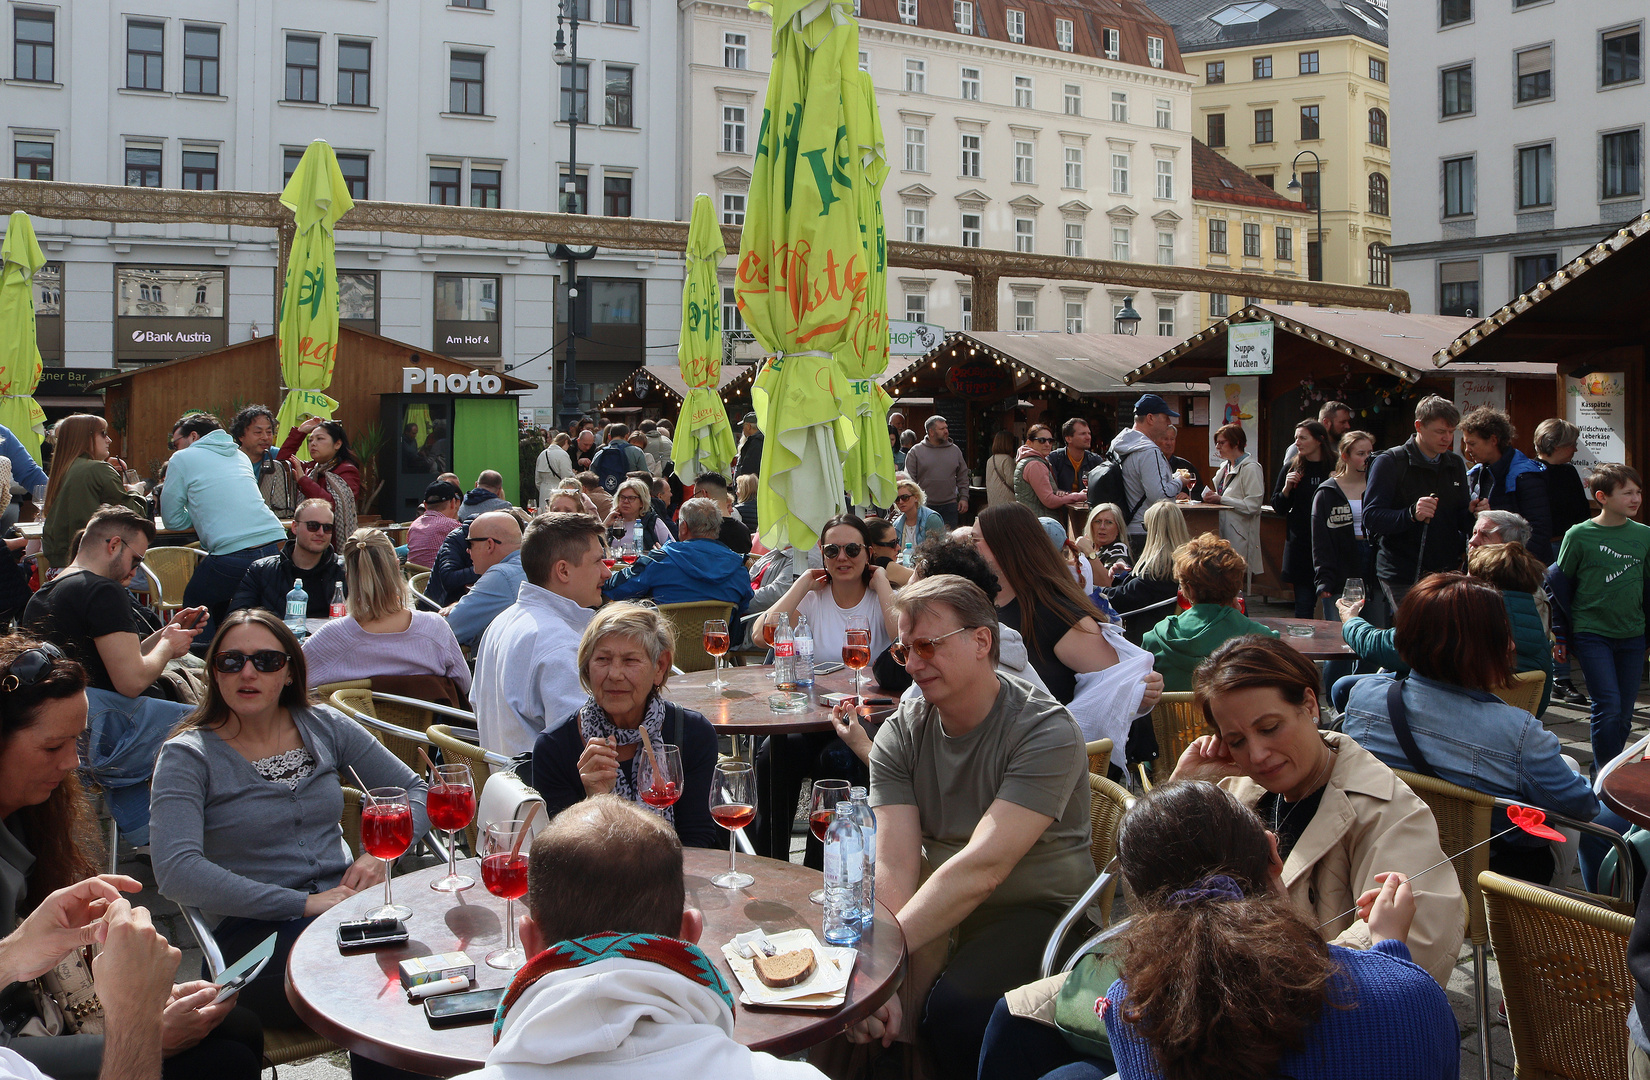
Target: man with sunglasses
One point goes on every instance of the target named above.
(494, 541)
(308, 558)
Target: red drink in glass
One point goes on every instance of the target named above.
(661, 794)
(609, 563)
(820, 822)
(451, 806)
(768, 630)
(386, 831)
(629, 557)
(733, 815)
(716, 644)
(505, 875)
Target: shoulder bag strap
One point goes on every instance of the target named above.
(1399, 716)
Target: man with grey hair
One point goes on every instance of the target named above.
(695, 567)
(937, 465)
(1499, 527)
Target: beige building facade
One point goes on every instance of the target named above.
(1241, 224)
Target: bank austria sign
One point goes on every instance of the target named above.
(430, 381)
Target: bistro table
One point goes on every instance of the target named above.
(1626, 790)
(356, 999)
(1325, 643)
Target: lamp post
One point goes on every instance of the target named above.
(1295, 185)
(566, 55)
(1128, 319)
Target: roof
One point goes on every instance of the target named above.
(1262, 22)
(1073, 364)
(1554, 318)
(1398, 343)
(1214, 179)
(1133, 20)
(735, 381)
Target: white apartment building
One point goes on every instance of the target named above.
(1523, 142)
(452, 102)
(1027, 125)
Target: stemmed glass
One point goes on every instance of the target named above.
(387, 833)
(504, 872)
(659, 775)
(856, 650)
(821, 812)
(733, 805)
(451, 803)
(716, 643)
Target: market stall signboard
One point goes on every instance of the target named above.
(979, 381)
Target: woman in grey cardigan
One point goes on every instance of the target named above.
(246, 801)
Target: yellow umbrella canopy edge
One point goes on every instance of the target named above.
(318, 196)
(704, 438)
(869, 467)
(19, 348)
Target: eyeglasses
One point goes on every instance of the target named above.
(122, 541)
(923, 647)
(1044, 439)
(317, 526)
(831, 551)
(30, 667)
(902, 496)
(265, 660)
(474, 540)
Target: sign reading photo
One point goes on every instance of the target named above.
(430, 381)
(466, 315)
(164, 312)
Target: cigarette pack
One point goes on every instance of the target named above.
(423, 969)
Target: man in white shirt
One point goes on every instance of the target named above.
(526, 677)
(552, 467)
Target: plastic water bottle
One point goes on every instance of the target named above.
(784, 655)
(336, 610)
(844, 872)
(867, 821)
(297, 608)
(906, 556)
(804, 652)
(636, 538)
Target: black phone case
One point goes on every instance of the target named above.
(463, 1019)
(353, 937)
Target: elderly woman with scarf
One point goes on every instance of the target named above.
(333, 472)
(624, 659)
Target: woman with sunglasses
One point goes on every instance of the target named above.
(914, 522)
(381, 634)
(83, 477)
(333, 472)
(247, 802)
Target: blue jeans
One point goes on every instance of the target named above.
(947, 511)
(123, 735)
(1016, 1048)
(214, 583)
(1342, 689)
(1612, 668)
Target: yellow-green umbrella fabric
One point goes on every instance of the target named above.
(704, 438)
(19, 351)
(802, 278)
(318, 196)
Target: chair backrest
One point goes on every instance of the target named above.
(1099, 752)
(688, 621)
(1178, 723)
(1463, 818)
(455, 749)
(170, 569)
(374, 715)
(350, 822)
(1137, 622)
(1107, 801)
(1524, 691)
(420, 581)
(412, 569)
(1564, 976)
(325, 690)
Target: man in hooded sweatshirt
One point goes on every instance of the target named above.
(696, 567)
(1209, 572)
(616, 985)
(1147, 478)
(485, 497)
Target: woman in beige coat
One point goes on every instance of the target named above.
(1240, 486)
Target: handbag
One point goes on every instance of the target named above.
(65, 999)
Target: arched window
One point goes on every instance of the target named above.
(1379, 203)
(1380, 265)
(1377, 127)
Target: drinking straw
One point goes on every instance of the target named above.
(427, 762)
(647, 745)
(526, 825)
(364, 789)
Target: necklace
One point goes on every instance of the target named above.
(1319, 776)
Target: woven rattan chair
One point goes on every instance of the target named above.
(1177, 724)
(1107, 803)
(1564, 976)
(455, 748)
(420, 581)
(688, 620)
(1524, 691)
(401, 728)
(1099, 752)
(169, 570)
(412, 569)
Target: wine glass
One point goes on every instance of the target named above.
(856, 649)
(504, 872)
(716, 643)
(387, 833)
(821, 811)
(451, 802)
(733, 805)
(659, 775)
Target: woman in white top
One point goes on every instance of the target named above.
(1240, 485)
(1340, 546)
(848, 587)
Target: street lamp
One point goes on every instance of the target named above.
(1295, 185)
(1128, 319)
(565, 53)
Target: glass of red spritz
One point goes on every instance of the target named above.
(387, 833)
(451, 802)
(504, 872)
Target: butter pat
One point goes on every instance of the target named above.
(426, 969)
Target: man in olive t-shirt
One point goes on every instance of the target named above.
(985, 777)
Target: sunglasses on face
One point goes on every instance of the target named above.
(923, 647)
(903, 496)
(831, 551)
(1043, 439)
(30, 667)
(317, 526)
(264, 660)
(474, 540)
(892, 542)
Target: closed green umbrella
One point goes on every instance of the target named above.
(318, 196)
(19, 351)
(868, 470)
(704, 438)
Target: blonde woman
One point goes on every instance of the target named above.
(1105, 543)
(382, 635)
(745, 494)
(913, 521)
(1240, 486)
(83, 478)
(632, 503)
(1152, 579)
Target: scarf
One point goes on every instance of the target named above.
(679, 956)
(343, 503)
(594, 724)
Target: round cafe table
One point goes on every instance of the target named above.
(1627, 791)
(355, 999)
(1325, 643)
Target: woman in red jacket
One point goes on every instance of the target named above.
(333, 472)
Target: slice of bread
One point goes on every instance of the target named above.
(784, 969)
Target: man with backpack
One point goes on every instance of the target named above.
(1417, 504)
(613, 461)
(1136, 474)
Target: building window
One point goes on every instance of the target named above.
(1111, 42)
(1451, 12)
(1121, 244)
(1120, 174)
(32, 160)
(1620, 61)
(733, 129)
(444, 185)
(576, 201)
(1074, 167)
(1154, 51)
(1251, 240)
(1379, 202)
(1217, 236)
(1529, 270)
(1263, 125)
(1063, 36)
(465, 93)
(1119, 107)
(1074, 316)
(864, 61)
(733, 211)
(1217, 129)
(355, 73)
(971, 230)
(200, 170)
(971, 155)
(1311, 191)
(1458, 288)
(1284, 243)
(1165, 248)
(487, 188)
(1023, 172)
(1025, 234)
(145, 56)
(1309, 122)
(1263, 67)
(481, 5)
(1535, 74)
(354, 168)
(1620, 163)
(734, 50)
(1165, 322)
(1074, 99)
(1457, 90)
(1220, 305)
(1309, 62)
(1074, 239)
(289, 165)
(619, 14)
(616, 196)
(35, 59)
(1165, 113)
(732, 320)
(916, 149)
(142, 166)
(200, 60)
(966, 301)
(1535, 176)
(916, 225)
(962, 15)
(1377, 127)
(575, 92)
(1460, 187)
(620, 94)
(908, 12)
(467, 308)
(1165, 179)
(1377, 69)
(970, 84)
(1022, 92)
(303, 68)
(1025, 314)
(916, 76)
(1268, 179)
(1214, 72)
(1016, 22)
(916, 307)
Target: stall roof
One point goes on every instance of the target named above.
(1396, 342)
(735, 378)
(1076, 364)
(1555, 319)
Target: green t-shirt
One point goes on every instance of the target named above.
(1605, 565)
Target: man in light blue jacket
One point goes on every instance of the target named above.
(210, 487)
(495, 551)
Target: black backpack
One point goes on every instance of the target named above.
(1106, 485)
(610, 464)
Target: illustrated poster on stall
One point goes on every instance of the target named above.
(1234, 400)
(1597, 404)
(1471, 393)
